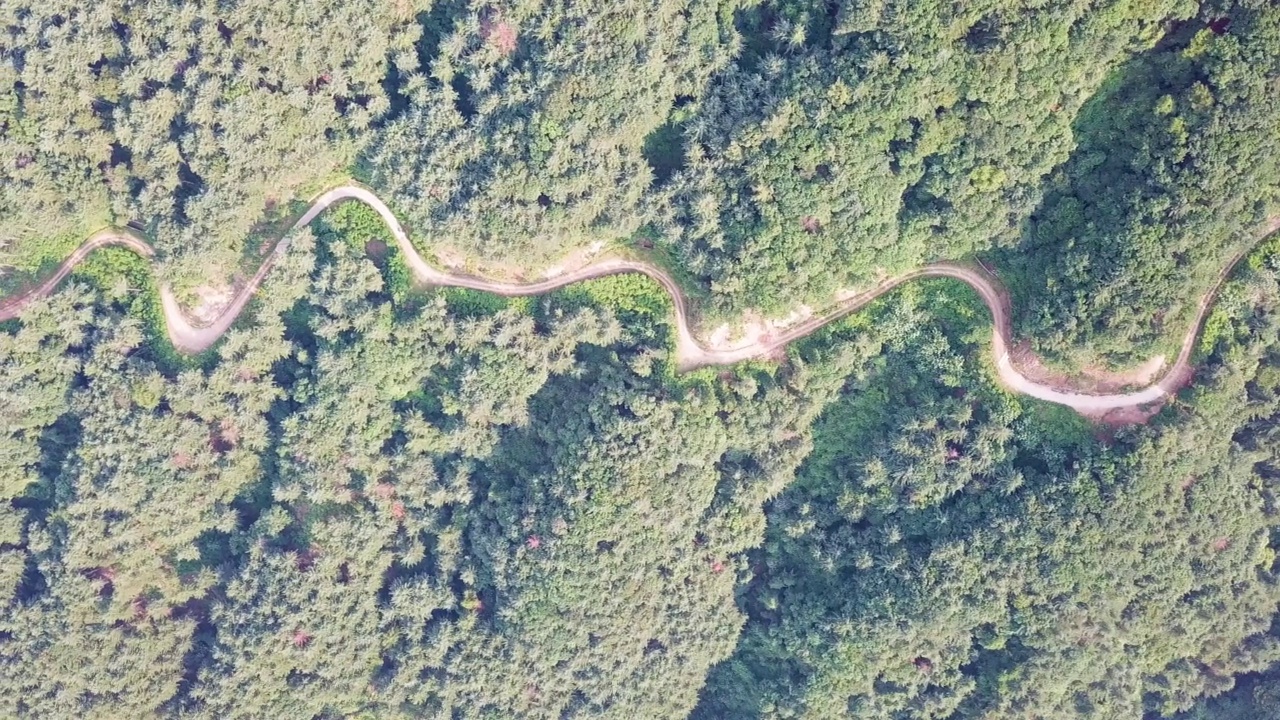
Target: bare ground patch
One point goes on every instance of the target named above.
(1092, 379)
(452, 258)
(754, 330)
(209, 302)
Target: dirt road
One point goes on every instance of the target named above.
(689, 352)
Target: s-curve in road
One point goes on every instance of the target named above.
(189, 338)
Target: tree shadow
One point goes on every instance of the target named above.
(794, 599)
(1113, 258)
(436, 23)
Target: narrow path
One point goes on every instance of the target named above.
(689, 352)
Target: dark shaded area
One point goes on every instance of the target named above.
(465, 101)
(436, 23)
(664, 151)
(1173, 153)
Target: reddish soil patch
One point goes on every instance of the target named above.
(500, 34)
(376, 250)
(1178, 379)
(1121, 417)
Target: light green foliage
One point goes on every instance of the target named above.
(22, 262)
(363, 231)
(633, 295)
(465, 302)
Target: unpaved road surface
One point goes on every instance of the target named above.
(689, 352)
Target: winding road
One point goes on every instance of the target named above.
(689, 352)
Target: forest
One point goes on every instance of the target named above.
(373, 499)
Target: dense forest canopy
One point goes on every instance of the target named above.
(185, 118)
(376, 500)
(524, 133)
(1174, 171)
(888, 135)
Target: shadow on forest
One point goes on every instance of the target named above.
(809, 599)
(436, 24)
(1094, 198)
(1091, 204)
(56, 443)
(664, 148)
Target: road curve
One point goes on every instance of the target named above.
(689, 352)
